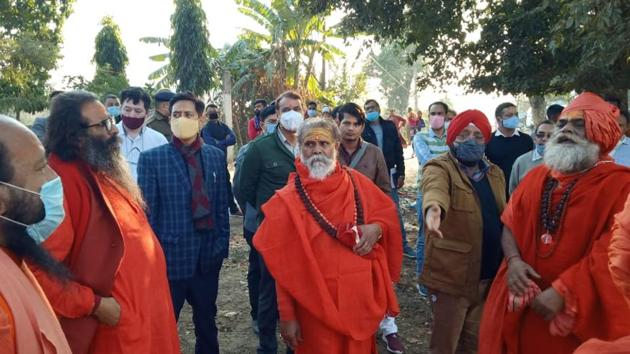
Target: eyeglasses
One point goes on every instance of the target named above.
(107, 123)
(541, 135)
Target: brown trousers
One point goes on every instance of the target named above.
(456, 322)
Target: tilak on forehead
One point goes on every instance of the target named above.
(319, 134)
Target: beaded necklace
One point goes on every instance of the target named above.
(321, 220)
(551, 221)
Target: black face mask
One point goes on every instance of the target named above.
(213, 115)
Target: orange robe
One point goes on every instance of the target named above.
(579, 265)
(619, 265)
(140, 286)
(338, 297)
(27, 322)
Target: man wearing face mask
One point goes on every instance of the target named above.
(118, 298)
(508, 143)
(218, 134)
(463, 197)
(135, 136)
(112, 104)
(254, 128)
(311, 111)
(428, 145)
(529, 160)
(384, 134)
(31, 208)
(266, 168)
(269, 123)
(184, 184)
(159, 120)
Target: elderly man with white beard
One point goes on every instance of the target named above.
(554, 286)
(331, 239)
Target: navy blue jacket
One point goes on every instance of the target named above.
(392, 147)
(163, 178)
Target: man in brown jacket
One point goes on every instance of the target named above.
(464, 196)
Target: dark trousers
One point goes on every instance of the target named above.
(253, 275)
(201, 293)
(231, 201)
(267, 313)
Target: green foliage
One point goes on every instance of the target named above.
(190, 49)
(526, 46)
(163, 76)
(345, 87)
(30, 35)
(110, 50)
(106, 81)
(395, 74)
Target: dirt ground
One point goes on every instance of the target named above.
(234, 322)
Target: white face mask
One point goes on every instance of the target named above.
(291, 120)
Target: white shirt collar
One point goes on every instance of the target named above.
(123, 130)
(498, 133)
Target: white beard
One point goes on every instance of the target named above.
(570, 158)
(319, 166)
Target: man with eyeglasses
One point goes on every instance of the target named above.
(135, 136)
(118, 298)
(463, 198)
(508, 143)
(529, 160)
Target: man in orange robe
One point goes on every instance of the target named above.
(331, 239)
(554, 290)
(27, 322)
(619, 265)
(118, 300)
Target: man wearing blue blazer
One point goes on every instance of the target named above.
(183, 183)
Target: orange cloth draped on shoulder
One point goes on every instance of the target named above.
(577, 261)
(140, 286)
(619, 266)
(27, 322)
(338, 297)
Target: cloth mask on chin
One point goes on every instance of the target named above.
(291, 120)
(184, 128)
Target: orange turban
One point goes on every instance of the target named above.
(462, 120)
(600, 118)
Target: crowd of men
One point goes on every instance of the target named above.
(115, 213)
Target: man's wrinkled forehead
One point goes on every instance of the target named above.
(315, 135)
(572, 115)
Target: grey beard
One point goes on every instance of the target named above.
(319, 166)
(571, 158)
(105, 157)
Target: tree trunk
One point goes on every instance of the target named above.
(538, 106)
(227, 107)
(322, 76)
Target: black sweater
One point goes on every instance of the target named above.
(504, 151)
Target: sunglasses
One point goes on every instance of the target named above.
(541, 135)
(107, 123)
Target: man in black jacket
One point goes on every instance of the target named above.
(383, 133)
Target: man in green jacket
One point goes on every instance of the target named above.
(266, 168)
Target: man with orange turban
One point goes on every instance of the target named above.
(463, 197)
(331, 239)
(619, 266)
(554, 291)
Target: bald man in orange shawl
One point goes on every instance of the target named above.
(554, 290)
(619, 265)
(331, 239)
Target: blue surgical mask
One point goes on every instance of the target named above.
(540, 149)
(311, 113)
(372, 116)
(511, 123)
(270, 127)
(469, 153)
(113, 111)
(51, 196)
